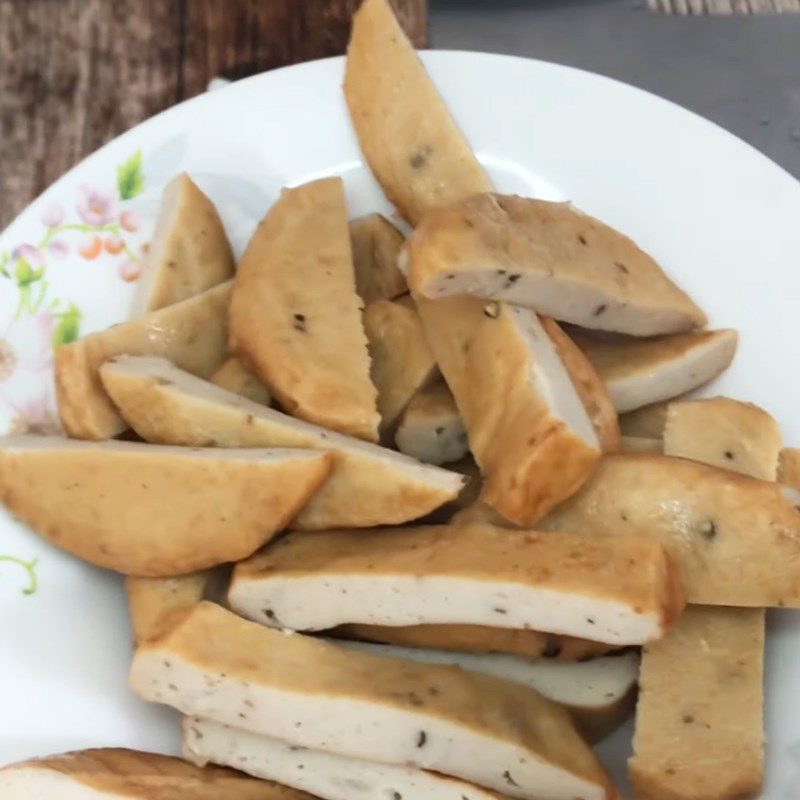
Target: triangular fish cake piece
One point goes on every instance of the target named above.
(189, 251)
(192, 333)
(369, 485)
(296, 316)
(151, 510)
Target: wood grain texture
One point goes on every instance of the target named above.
(76, 73)
(724, 7)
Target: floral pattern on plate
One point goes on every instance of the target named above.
(86, 226)
(28, 568)
(96, 226)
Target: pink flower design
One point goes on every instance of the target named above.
(26, 356)
(128, 271)
(95, 207)
(28, 253)
(53, 215)
(130, 220)
(58, 248)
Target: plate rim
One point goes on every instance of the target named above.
(426, 55)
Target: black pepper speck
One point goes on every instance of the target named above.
(509, 780)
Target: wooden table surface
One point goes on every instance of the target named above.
(76, 73)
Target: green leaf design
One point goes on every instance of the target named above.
(29, 567)
(26, 274)
(130, 178)
(4, 262)
(67, 328)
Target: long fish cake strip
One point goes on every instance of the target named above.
(620, 592)
(702, 734)
(410, 141)
(313, 694)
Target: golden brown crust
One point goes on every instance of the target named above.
(402, 362)
(295, 314)
(151, 601)
(529, 458)
(235, 377)
(646, 422)
(724, 433)
(702, 735)
(699, 724)
(506, 246)
(148, 776)
(367, 486)
(479, 639)
(633, 572)
(734, 539)
(189, 252)
(181, 513)
(789, 467)
(215, 641)
(376, 245)
(407, 135)
(193, 334)
(479, 511)
(620, 358)
(587, 383)
(641, 444)
(642, 371)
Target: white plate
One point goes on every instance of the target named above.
(719, 216)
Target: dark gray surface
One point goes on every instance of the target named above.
(740, 72)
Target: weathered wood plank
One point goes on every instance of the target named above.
(76, 73)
